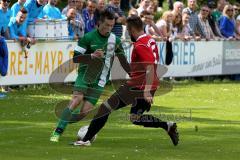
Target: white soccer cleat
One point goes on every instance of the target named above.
(82, 143)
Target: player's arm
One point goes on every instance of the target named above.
(121, 57)
(147, 61)
(149, 81)
(80, 50)
(13, 35)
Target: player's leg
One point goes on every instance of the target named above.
(80, 89)
(91, 97)
(116, 101)
(138, 118)
(66, 116)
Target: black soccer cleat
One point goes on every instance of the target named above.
(173, 133)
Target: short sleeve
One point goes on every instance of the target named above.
(82, 46)
(161, 24)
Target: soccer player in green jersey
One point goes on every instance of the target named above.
(96, 49)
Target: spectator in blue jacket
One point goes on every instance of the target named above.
(34, 8)
(3, 57)
(227, 22)
(50, 11)
(5, 15)
(89, 15)
(18, 28)
(16, 7)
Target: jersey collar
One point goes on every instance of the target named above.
(144, 35)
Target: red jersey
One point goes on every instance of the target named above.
(145, 52)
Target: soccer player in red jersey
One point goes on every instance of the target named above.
(138, 91)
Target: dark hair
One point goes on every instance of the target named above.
(93, 1)
(205, 6)
(211, 4)
(144, 13)
(135, 22)
(106, 14)
(23, 10)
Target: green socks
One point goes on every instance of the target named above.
(64, 120)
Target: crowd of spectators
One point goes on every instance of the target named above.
(215, 20)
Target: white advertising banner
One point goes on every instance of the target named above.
(190, 59)
(42, 59)
(196, 58)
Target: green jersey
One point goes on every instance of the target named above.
(216, 15)
(97, 69)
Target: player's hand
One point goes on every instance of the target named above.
(98, 54)
(121, 20)
(72, 22)
(22, 39)
(148, 96)
(29, 40)
(33, 41)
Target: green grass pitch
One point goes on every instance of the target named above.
(208, 116)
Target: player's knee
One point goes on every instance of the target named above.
(77, 99)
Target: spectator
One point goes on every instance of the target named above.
(236, 8)
(152, 8)
(75, 31)
(79, 6)
(144, 4)
(79, 19)
(150, 27)
(3, 58)
(203, 18)
(177, 7)
(165, 24)
(5, 14)
(177, 26)
(213, 24)
(100, 7)
(79, 22)
(238, 25)
(217, 13)
(89, 16)
(227, 22)
(18, 28)
(34, 8)
(16, 7)
(186, 32)
(120, 19)
(71, 4)
(194, 21)
(50, 11)
(132, 12)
